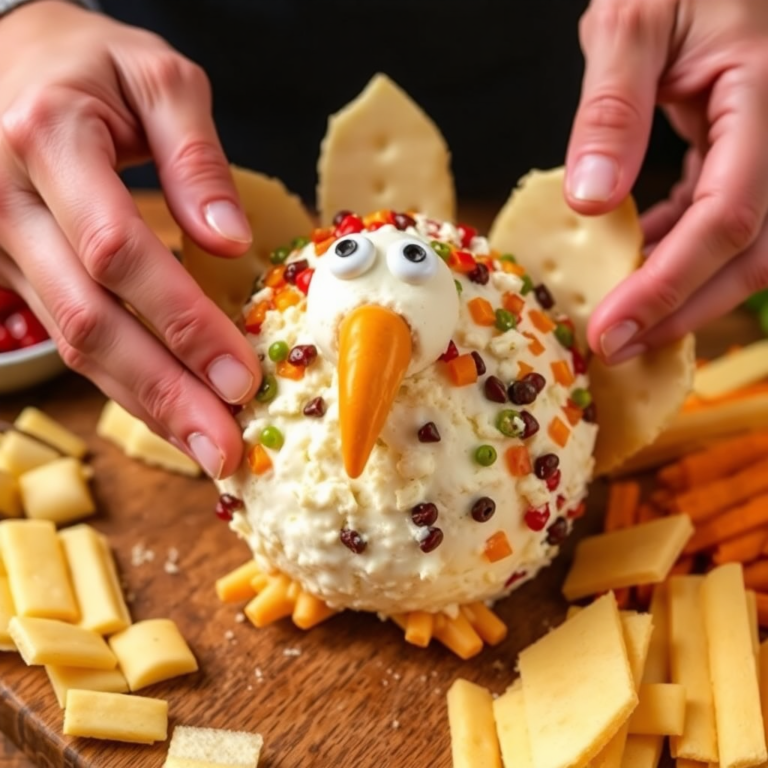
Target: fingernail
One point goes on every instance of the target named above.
(633, 350)
(227, 220)
(208, 456)
(618, 336)
(230, 378)
(593, 179)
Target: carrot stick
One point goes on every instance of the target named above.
(743, 549)
(705, 501)
(695, 403)
(756, 576)
(682, 567)
(646, 513)
(762, 608)
(732, 523)
(623, 499)
(673, 477)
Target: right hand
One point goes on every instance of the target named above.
(82, 96)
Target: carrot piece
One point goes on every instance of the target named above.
(384, 216)
(756, 576)
(563, 373)
(559, 432)
(573, 413)
(256, 314)
(512, 303)
(259, 582)
(541, 321)
(286, 298)
(512, 268)
(321, 234)
(536, 347)
(497, 547)
(730, 524)
(481, 311)
(623, 499)
(762, 608)
(462, 370)
(646, 513)
(523, 369)
(743, 549)
(485, 622)
(673, 477)
(518, 461)
(694, 403)
(458, 635)
(419, 627)
(258, 460)
(705, 501)
(310, 611)
(236, 585)
(287, 370)
(324, 245)
(275, 277)
(272, 604)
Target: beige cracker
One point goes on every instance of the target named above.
(512, 729)
(213, 748)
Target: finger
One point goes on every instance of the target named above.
(95, 335)
(120, 252)
(172, 97)
(730, 204)
(625, 48)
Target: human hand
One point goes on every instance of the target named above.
(706, 63)
(80, 97)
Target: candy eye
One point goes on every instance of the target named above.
(411, 261)
(351, 256)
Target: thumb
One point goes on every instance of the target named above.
(625, 46)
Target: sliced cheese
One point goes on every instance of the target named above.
(754, 622)
(57, 491)
(20, 453)
(144, 444)
(115, 424)
(509, 712)
(661, 710)
(65, 679)
(38, 424)
(10, 499)
(474, 743)
(582, 661)
(213, 748)
(116, 717)
(763, 681)
(7, 612)
(657, 663)
(738, 716)
(730, 372)
(642, 554)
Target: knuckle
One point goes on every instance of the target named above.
(105, 250)
(162, 396)
(665, 294)
(612, 111)
(737, 226)
(73, 358)
(185, 329)
(198, 163)
(78, 325)
(27, 120)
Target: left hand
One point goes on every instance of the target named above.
(706, 63)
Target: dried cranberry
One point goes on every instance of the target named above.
(293, 269)
(467, 234)
(531, 425)
(590, 413)
(303, 355)
(349, 225)
(483, 509)
(433, 540)
(424, 514)
(536, 519)
(537, 380)
(340, 216)
(303, 279)
(315, 407)
(545, 465)
(579, 363)
(543, 296)
(522, 392)
(227, 505)
(479, 274)
(494, 390)
(429, 433)
(553, 481)
(451, 353)
(557, 532)
(353, 540)
(479, 363)
(403, 221)
(515, 577)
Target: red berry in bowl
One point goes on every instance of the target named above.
(7, 342)
(25, 328)
(9, 302)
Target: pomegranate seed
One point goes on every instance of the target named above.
(424, 514)
(403, 221)
(303, 355)
(531, 425)
(450, 353)
(483, 509)
(590, 413)
(536, 519)
(227, 505)
(553, 481)
(7, 342)
(293, 270)
(479, 363)
(515, 577)
(303, 279)
(522, 392)
(557, 532)
(349, 225)
(545, 465)
(495, 390)
(538, 381)
(560, 501)
(432, 541)
(353, 540)
(579, 363)
(428, 433)
(24, 325)
(543, 296)
(315, 407)
(9, 302)
(340, 216)
(479, 274)
(467, 234)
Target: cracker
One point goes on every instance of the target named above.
(473, 728)
(512, 729)
(276, 217)
(212, 747)
(382, 151)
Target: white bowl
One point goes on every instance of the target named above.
(24, 368)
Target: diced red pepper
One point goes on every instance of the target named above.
(349, 225)
(467, 234)
(462, 261)
(303, 279)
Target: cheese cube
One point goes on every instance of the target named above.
(65, 679)
(474, 743)
(115, 424)
(509, 712)
(20, 453)
(661, 710)
(213, 748)
(144, 444)
(57, 491)
(38, 424)
(10, 499)
(7, 612)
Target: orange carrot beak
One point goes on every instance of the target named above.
(374, 354)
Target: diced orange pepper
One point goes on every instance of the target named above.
(518, 461)
(324, 245)
(497, 547)
(573, 413)
(513, 303)
(275, 277)
(563, 373)
(320, 234)
(482, 311)
(523, 369)
(541, 321)
(512, 268)
(286, 298)
(383, 216)
(288, 370)
(258, 460)
(462, 370)
(462, 261)
(559, 432)
(536, 347)
(256, 315)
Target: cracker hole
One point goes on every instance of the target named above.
(579, 299)
(381, 143)
(379, 187)
(572, 222)
(549, 266)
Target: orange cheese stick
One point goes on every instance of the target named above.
(762, 608)
(623, 499)
(732, 523)
(756, 576)
(743, 549)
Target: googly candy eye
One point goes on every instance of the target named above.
(412, 261)
(351, 256)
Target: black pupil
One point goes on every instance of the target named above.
(346, 248)
(414, 253)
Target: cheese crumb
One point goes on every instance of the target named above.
(140, 555)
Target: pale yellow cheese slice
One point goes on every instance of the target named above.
(10, 499)
(738, 716)
(754, 623)
(511, 727)
(20, 453)
(38, 424)
(382, 151)
(37, 572)
(144, 444)
(578, 687)
(642, 554)
(474, 743)
(7, 612)
(56, 643)
(661, 710)
(57, 491)
(741, 368)
(115, 424)
(65, 679)
(213, 748)
(152, 651)
(763, 682)
(94, 577)
(116, 717)
(689, 667)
